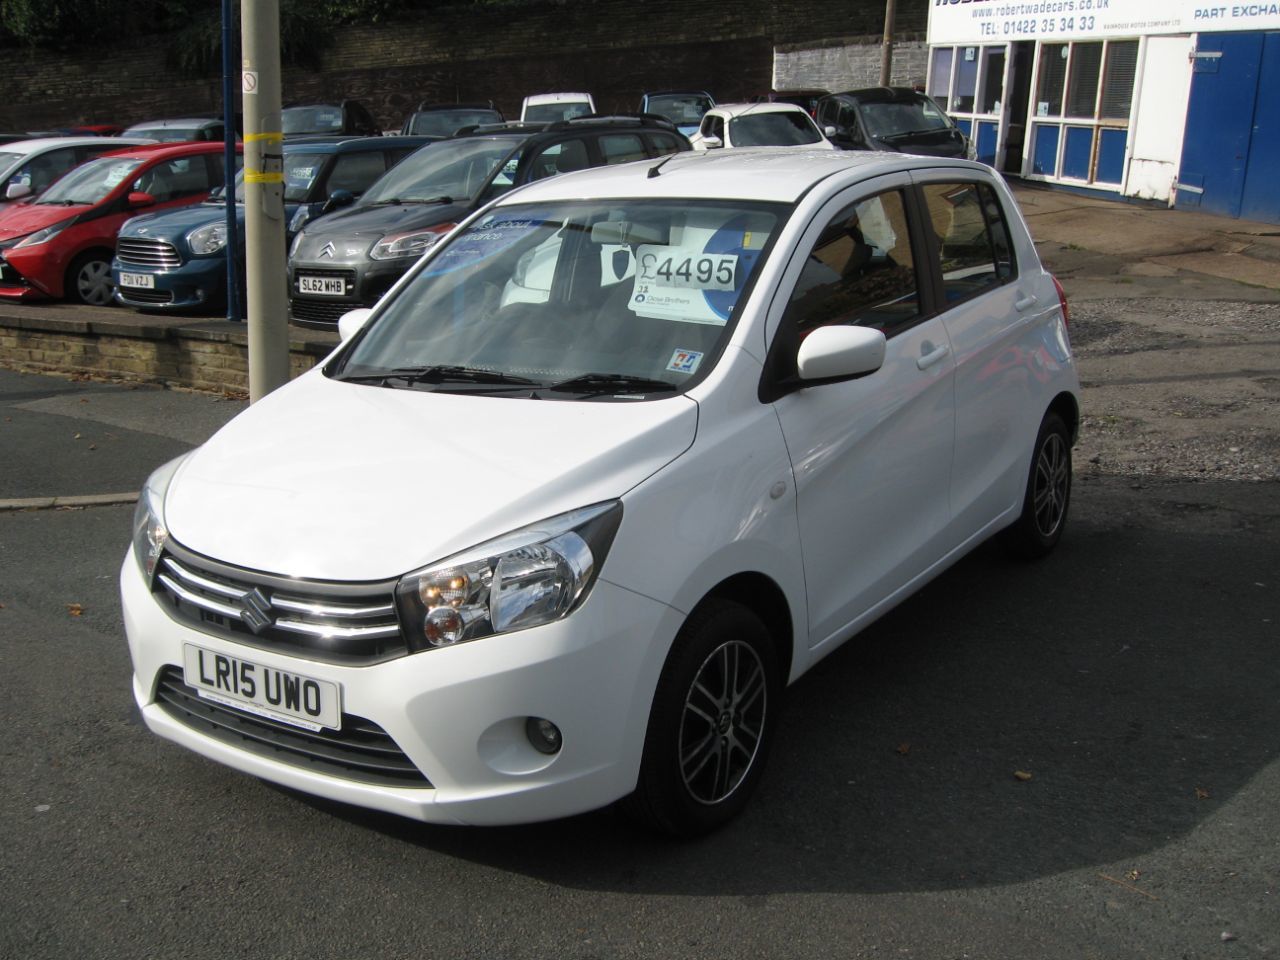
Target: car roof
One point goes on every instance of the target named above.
(52, 143)
(436, 107)
(778, 174)
(881, 94)
(182, 148)
(738, 109)
(353, 144)
(537, 98)
(676, 93)
(177, 122)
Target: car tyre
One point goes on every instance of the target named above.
(1048, 493)
(713, 716)
(89, 280)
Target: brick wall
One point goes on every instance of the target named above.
(614, 48)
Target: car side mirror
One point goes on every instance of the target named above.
(839, 352)
(17, 190)
(140, 199)
(712, 143)
(830, 132)
(349, 323)
(339, 198)
(218, 192)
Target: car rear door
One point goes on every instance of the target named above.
(871, 455)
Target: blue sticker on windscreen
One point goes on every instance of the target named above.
(484, 240)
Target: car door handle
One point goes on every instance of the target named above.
(933, 356)
(1025, 302)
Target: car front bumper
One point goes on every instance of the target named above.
(457, 713)
(197, 283)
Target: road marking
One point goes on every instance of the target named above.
(52, 503)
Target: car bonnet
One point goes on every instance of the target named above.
(340, 481)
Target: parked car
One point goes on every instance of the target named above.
(61, 245)
(350, 258)
(179, 130)
(175, 261)
(28, 167)
(758, 125)
(550, 107)
(805, 98)
(514, 563)
(349, 117)
(683, 108)
(445, 119)
(890, 118)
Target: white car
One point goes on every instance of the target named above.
(28, 167)
(495, 563)
(758, 125)
(550, 107)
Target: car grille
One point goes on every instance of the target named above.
(147, 253)
(334, 622)
(141, 295)
(361, 750)
(318, 311)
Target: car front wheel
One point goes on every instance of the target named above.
(712, 719)
(89, 280)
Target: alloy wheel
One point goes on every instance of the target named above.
(722, 722)
(1051, 484)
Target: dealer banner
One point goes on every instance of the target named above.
(993, 21)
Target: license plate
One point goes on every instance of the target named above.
(325, 286)
(144, 280)
(265, 691)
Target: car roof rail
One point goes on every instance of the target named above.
(618, 119)
(464, 105)
(508, 126)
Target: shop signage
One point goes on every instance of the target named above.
(992, 21)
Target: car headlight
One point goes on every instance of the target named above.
(149, 531)
(208, 239)
(397, 245)
(293, 247)
(526, 578)
(42, 236)
(300, 217)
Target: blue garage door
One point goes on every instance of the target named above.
(1231, 152)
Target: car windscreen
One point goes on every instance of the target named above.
(90, 181)
(572, 299)
(445, 123)
(321, 119)
(788, 129)
(457, 169)
(679, 108)
(551, 112)
(897, 117)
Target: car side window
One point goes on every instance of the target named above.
(356, 171)
(564, 157)
(175, 179)
(661, 145)
(860, 271)
(974, 249)
(46, 168)
(622, 148)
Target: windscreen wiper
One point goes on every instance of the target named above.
(910, 133)
(441, 373)
(397, 201)
(612, 383)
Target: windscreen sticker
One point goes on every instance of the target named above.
(483, 240)
(684, 361)
(117, 173)
(671, 283)
(302, 174)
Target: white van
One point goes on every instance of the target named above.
(550, 107)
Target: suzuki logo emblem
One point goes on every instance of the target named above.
(328, 250)
(255, 610)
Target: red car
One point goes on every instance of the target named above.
(61, 245)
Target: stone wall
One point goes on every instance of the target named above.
(849, 64)
(207, 355)
(616, 49)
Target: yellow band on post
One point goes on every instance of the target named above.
(257, 137)
(263, 177)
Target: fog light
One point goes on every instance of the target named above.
(543, 734)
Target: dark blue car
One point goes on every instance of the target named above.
(176, 260)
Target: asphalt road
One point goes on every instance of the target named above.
(1133, 675)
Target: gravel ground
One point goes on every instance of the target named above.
(1179, 389)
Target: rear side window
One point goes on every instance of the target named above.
(356, 171)
(560, 158)
(860, 271)
(661, 144)
(622, 148)
(974, 248)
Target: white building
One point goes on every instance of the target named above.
(1169, 100)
